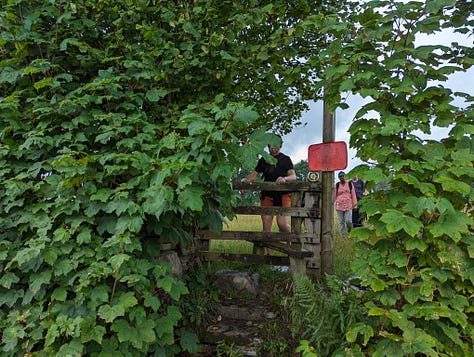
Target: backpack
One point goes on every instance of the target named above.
(350, 187)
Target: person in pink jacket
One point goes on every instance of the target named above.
(344, 201)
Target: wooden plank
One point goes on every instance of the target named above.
(293, 250)
(313, 212)
(314, 262)
(296, 222)
(313, 226)
(272, 186)
(261, 236)
(298, 266)
(245, 258)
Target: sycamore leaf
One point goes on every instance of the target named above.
(360, 328)
(146, 331)
(191, 197)
(158, 199)
(128, 300)
(245, 115)
(154, 95)
(152, 302)
(415, 243)
(36, 280)
(376, 311)
(90, 331)
(418, 341)
(433, 7)
(126, 332)
(110, 313)
(451, 332)
(165, 324)
(98, 295)
(10, 297)
(418, 205)
(189, 341)
(172, 286)
(10, 336)
(451, 185)
(7, 279)
(84, 236)
(59, 294)
(184, 180)
(9, 75)
(117, 260)
(118, 205)
(102, 195)
(398, 258)
(51, 335)
(451, 224)
(411, 294)
(200, 125)
(397, 221)
(142, 333)
(127, 223)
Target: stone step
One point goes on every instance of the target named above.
(239, 323)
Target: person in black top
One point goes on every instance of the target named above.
(281, 172)
(359, 187)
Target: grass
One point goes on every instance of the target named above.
(246, 223)
(343, 248)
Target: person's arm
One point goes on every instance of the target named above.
(251, 176)
(353, 197)
(290, 177)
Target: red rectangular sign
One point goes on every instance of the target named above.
(329, 156)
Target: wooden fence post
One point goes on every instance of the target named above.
(327, 214)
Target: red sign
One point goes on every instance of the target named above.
(330, 156)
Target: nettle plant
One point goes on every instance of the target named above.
(121, 125)
(416, 252)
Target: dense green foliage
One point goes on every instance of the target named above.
(123, 121)
(121, 124)
(416, 253)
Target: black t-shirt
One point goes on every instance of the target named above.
(271, 172)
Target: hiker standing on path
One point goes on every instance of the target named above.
(344, 201)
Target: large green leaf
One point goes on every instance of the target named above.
(397, 221)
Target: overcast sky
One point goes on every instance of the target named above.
(296, 143)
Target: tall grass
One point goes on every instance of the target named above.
(343, 248)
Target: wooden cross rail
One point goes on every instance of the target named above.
(294, 251)
(300, 212)
(262, 236)
(272, 186)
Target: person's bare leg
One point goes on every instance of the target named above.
(283, 224)
(267, 227)
(267, 222)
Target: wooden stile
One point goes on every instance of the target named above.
(303, 248)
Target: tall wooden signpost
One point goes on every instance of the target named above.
(327, 214)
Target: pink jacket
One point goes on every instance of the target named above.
(344, 199)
